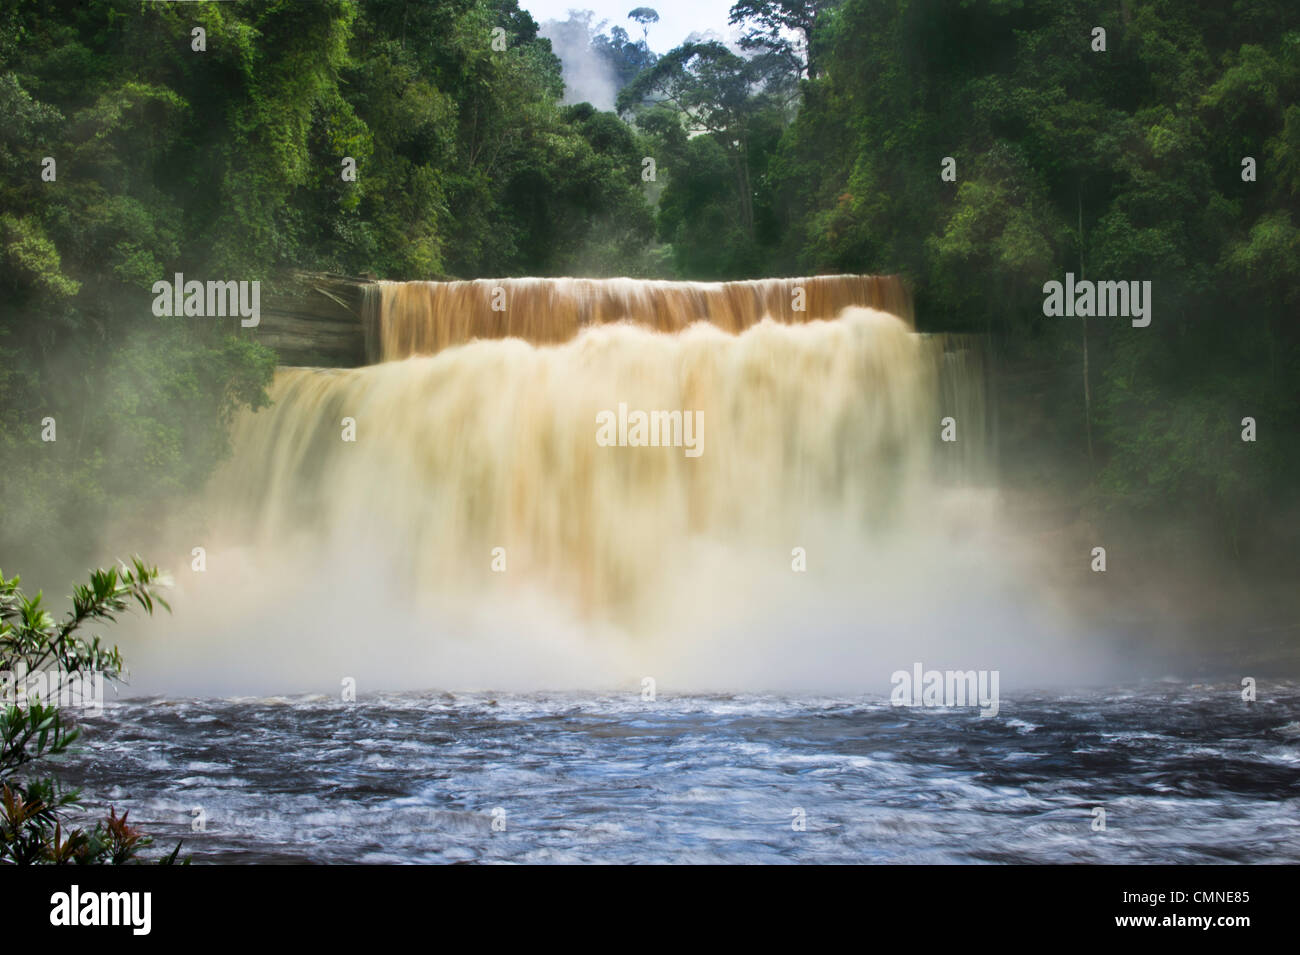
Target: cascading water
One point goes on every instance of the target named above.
(420, 318)
(650, 650)
(460, 494)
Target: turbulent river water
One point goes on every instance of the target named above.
(1186, 773)
(452, 515)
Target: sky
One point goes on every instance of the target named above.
(677, 18)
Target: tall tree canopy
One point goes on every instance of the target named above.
(221, 158)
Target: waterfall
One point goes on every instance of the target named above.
(614, 476)
(421, 318)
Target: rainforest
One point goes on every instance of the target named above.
(333, 313)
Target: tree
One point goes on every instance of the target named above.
(644, 16)
(713, 91)
(770, 24)
(33, 810)
(1122, 165)
(227, 165)
(627, 58)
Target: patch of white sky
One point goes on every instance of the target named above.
(678, 19)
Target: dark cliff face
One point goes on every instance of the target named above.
(315, 318)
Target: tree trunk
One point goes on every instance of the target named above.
(743, 186)
(1087, 387)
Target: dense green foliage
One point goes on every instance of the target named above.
(1124, 164)
(711, 112)
(227, 163)
(33, 809)
(815, 148)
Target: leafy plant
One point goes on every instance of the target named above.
(33, 810)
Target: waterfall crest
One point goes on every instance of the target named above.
(422, 318)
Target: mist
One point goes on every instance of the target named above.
(474, 536)
(588, 77)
